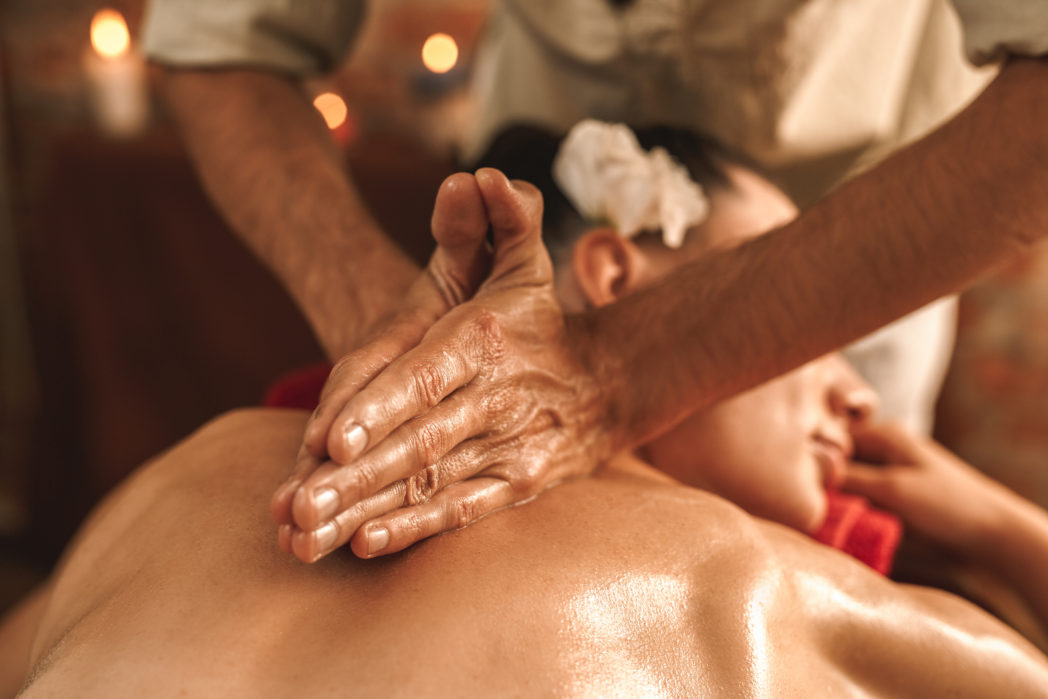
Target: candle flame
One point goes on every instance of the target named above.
(109, 35)
(440, 53)
(332, 108)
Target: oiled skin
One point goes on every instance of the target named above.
(622, 584)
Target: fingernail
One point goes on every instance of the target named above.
(378, 539)
(325, 503)
(356, 439)
(325, 536)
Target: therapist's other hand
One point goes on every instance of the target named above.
(494, 405)
(455, 270)
(939, 497)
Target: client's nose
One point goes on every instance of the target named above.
(850, 396)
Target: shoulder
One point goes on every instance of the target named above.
(255, 439)
(758, 590)
(232, 463)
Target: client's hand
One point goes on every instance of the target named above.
(492, 406)
(938, 496)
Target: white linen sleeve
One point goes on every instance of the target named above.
(994, 29)
(289, 36)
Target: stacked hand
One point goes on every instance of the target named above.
(456, 408)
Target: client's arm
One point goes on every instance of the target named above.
(953, 506)
(925, 222)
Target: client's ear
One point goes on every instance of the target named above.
(606, 266)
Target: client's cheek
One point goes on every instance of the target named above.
(816, 513)
(812, 503)
(800, 505)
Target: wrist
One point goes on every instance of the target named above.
(344, 311)
(602, 368)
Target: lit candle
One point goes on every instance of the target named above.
(440, 53)
(340, 119)
(116, 77)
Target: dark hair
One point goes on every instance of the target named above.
(526, 152)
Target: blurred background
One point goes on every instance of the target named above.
(129, 315)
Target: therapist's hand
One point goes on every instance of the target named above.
(492, 406)
(455, 270)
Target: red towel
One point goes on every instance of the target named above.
(298, 389)
(852, 525)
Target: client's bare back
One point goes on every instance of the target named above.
(622, 584)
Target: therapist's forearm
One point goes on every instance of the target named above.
(267, 162)
(926, 222)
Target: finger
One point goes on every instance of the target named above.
(280, 503)
(417, 451)
(346, 378)
(312, 545)
(885, 443)
(878, 483)
(354, 371)
(452, 508)
(450, 357)
(515, 211)
(459, 225)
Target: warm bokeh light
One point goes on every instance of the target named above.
(109, 35)
(332, 108)
(440, 53)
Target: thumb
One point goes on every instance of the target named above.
(459, 225)
(515, 211)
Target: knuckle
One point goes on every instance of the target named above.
(488, 335)
(354, 516)
(430, 441)
(461, 512)
(529, 479)
(429, 382)
(422, 486)
(359, 482)
(499, 405)
(449, 282)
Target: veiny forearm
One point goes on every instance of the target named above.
(926, 222)
(267, 162)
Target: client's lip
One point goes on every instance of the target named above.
(833, 457)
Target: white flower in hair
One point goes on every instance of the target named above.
(604, 172)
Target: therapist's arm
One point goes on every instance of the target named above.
(267, 161)
(926, 222)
